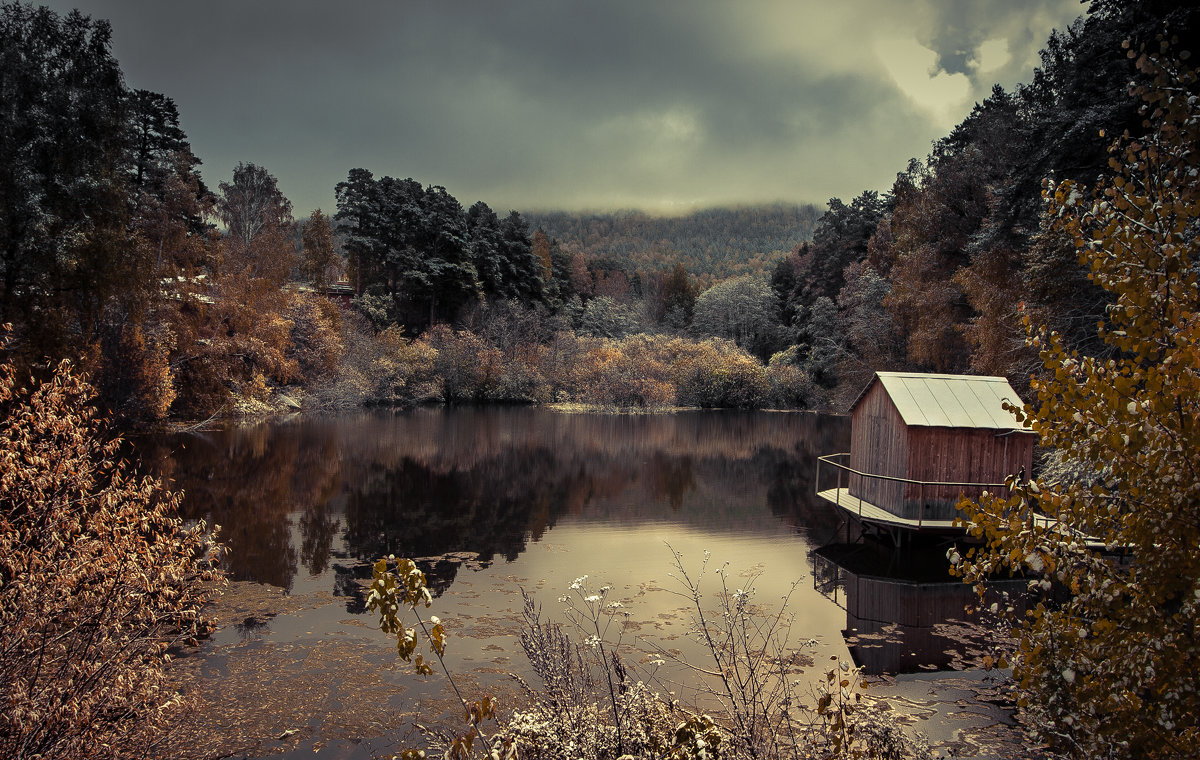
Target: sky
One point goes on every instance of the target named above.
(660, 105)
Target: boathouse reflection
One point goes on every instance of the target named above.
(904, 612)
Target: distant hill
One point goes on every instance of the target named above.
(719, 242)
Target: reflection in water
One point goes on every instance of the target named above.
(483, 482)
(904, 612)
(475, 485)
(307, 504)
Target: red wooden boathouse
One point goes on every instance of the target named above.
(919, 442)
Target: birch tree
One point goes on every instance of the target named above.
(1114, 670)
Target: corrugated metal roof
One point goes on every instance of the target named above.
(926, 400)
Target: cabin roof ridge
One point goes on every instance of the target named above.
(963, 377)
(925, 399)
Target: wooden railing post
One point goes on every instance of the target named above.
(921, 510)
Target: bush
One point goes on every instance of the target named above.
(403, 371)
(612, 372)
(719, 374)
(790, 386)
(99, 580)
(316, 342)
(468, 367)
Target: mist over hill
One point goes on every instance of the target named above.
(720, 242)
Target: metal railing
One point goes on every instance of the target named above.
(829, 459)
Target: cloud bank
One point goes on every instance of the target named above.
(559, 104)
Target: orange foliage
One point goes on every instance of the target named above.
(99, 579)
(717, 373)
(315, 340)
(658, 370)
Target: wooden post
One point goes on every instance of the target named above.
(921, 511)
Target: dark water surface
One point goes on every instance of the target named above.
(298, 498)
(504, 499)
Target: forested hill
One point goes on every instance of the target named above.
(721, 242)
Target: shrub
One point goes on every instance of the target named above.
(605, 371)
(99, 579)
(719, 374)
(316, 342)
(790, 385)
(467, 366)
(521, 378)
(403, 371)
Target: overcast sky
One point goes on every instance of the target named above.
(663, 105)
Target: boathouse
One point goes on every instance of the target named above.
(919, 442)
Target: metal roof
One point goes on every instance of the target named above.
(960, 401)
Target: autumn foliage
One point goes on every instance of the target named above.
(1113, 670)
(99, 581)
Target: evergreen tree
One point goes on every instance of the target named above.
(679, 298)
(487, 249)
(359, 219)
(319, 259)
(63, 192)
(524, 280)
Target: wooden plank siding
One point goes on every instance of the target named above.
(878, 445)
(960, 455)
(919, 605)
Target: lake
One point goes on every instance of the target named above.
(502, 499)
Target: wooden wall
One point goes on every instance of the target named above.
(878, 445)
(960, 455)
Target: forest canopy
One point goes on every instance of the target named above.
(182, 301)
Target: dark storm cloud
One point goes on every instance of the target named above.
(578, 104)
(959, 27)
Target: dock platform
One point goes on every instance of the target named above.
(867, 512)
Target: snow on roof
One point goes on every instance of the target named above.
(961, 401)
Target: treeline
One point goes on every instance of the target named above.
(937, 274)
(714, 243)
(109, 252)
(183, 301)
(512, 354)
(110, 255)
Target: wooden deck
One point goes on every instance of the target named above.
(865, 511)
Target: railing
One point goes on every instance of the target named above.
(829, 459)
